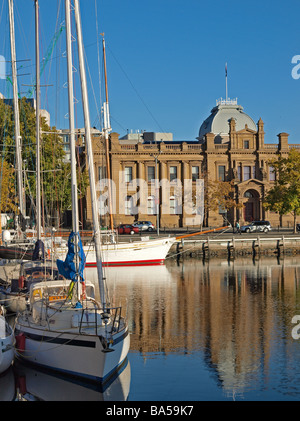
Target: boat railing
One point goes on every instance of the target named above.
(111, 317)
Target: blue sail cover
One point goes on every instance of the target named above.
(67, 268)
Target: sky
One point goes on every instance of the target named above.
(166, 61)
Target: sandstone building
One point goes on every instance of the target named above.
(229, 146)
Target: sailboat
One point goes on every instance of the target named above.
(66, 329)
(135, 253)
(7, 341)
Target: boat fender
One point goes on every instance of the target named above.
(20, 342)
(21, 282)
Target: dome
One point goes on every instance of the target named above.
(218, 121)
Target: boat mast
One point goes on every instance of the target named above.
(88, 142)
(38, 174)
(75, 213)
(16, 108)
(107, 129)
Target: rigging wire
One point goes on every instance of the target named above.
(136, 91)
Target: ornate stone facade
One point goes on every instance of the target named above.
(239, 155)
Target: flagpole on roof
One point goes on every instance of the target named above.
(226, 79)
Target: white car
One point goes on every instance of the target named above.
(255, 226)
(144, 225)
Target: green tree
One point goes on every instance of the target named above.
(55, 170)
(284, 197)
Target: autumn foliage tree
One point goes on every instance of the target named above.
(219, 195)
(8, 199)
(284, 197)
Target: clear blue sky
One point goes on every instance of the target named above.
(166, 61)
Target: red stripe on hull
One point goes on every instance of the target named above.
(129, 263)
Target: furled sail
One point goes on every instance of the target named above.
(68, 268)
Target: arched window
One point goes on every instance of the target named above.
(250, 194)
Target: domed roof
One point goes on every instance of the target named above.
(218, 121)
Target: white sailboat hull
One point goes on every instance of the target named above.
(7, 350)
(13, 302)
(75, 354)
(151, 252)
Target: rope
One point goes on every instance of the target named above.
(191, 248)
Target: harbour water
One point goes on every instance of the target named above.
(200, 331)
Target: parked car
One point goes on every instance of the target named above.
(257, 226)
(144, 225)
(127, 229)
(298, 227)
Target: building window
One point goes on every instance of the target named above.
(151, 205)
(246, 144)
(173, 205)
(128, 205)
(150, 174)
(253, 171)
(195, 173)
(173, 173)
(221, 172)
(128, 174)
(101, 173)
(239, 173)
(246, 172)
(272, 174)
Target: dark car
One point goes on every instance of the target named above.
(127, 229)
(298, 227)
(257, 226)
(144, 225)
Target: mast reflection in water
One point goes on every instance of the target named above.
(209, 331)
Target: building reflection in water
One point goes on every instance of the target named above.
(236, 314)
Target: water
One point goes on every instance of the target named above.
(217, 331)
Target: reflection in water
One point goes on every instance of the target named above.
(35, 385)
(199, 331)
(236, 314)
